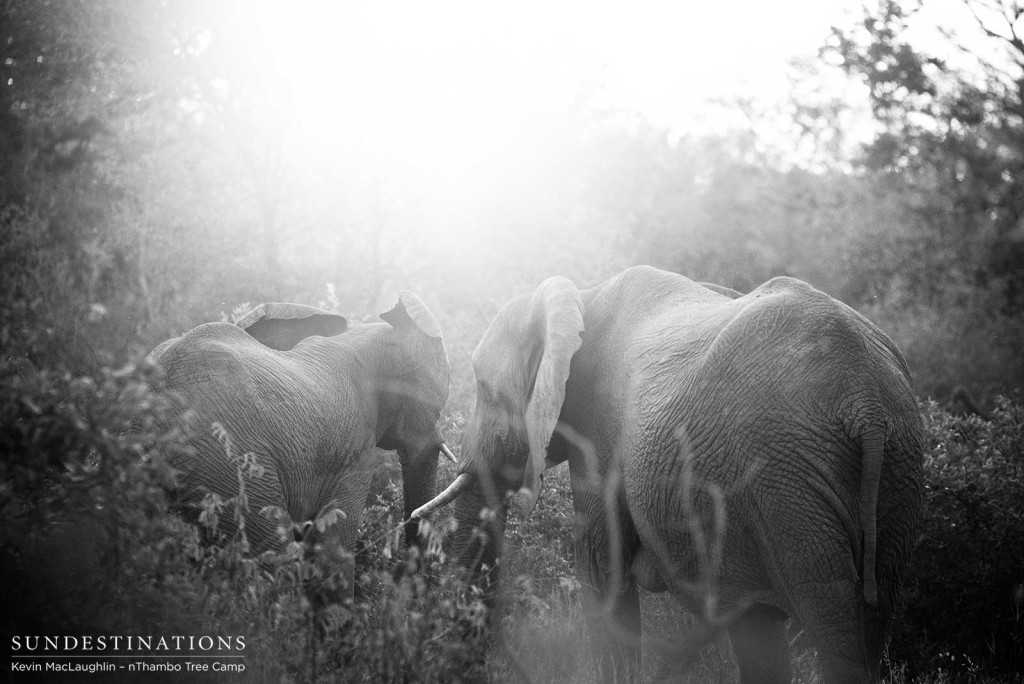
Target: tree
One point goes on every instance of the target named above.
(955, 139)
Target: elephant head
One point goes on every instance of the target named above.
(521, 366)
(310, 397)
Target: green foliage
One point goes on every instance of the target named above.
(964, 602)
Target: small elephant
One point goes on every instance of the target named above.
(758, 455)
(310, 398)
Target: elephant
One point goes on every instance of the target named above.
(760, 456)
(309, 397)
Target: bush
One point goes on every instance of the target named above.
(964, 599)
(91, 546)
(543, 630)
(960, 338)
(86, 539)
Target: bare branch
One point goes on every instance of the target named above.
(1013, 39)
(991, 70)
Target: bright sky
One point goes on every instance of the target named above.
(442, 103)
(441, 85)
(454, 77)
(666, 59)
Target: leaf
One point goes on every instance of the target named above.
(332, 516)
(276, 514)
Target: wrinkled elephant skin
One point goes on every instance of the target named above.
(759, 455)
(310, 397)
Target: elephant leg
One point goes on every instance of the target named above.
(815, 566)
(333, 549)
(842, 657)
(834, 620)
(604, 552)
(760, 645)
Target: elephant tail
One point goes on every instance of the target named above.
(872, 444)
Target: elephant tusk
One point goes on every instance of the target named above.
(457, 487)
(448, 453)
(300, 530)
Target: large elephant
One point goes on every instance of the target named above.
(760, 456)
(310, 398)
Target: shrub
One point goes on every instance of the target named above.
(963, 338)
(85, 514)
(964, 599)
(543, 632)
(91, 546)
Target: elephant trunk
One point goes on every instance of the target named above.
(419, 475)
(479, 537)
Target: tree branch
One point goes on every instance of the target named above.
(1013, 39)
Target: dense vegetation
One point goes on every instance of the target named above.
(149, 183)
(90, 548)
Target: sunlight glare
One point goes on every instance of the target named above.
(426, 93)
(443, 88)
(457, 102)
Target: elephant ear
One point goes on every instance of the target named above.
(281, 326)
(153, 357)
(421, 336)
(410, 313)
(556, 315)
